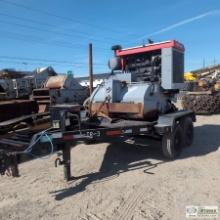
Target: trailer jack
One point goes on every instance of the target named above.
(65, 161)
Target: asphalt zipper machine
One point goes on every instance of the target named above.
(136, 99)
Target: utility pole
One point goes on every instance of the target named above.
(90, 70)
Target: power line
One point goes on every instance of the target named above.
(28, 20)
(51, 26)
(47, 60)
(35, 59)
(40, 29)
(44, 64)
(52, 14)
(33, 39)
(21, 38)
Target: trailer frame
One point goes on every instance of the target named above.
(64, 138)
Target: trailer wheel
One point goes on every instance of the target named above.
(172, 142)
(188, 131)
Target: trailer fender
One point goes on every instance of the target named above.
(167, 122)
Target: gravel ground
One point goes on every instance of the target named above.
(119, 181)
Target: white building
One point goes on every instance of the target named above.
(97, 79)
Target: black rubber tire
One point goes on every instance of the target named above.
(172, 143)
(188, 131)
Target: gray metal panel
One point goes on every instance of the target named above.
(116, 90)
(167, 68)
(122, 77)
(178, 66)
(172, 69)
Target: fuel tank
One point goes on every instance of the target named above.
(119, 96)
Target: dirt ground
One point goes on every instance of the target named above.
(119, 181)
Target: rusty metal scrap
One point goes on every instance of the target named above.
(202, 103)
(17, 108)
(126, 108)
(56, 82)
(11, 74)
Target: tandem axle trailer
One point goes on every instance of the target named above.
(175, 130)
